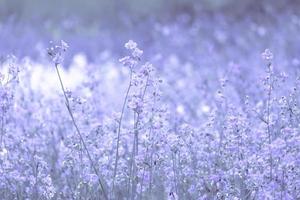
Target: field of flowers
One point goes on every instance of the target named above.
(201, 107)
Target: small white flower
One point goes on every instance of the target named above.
(64, 45)
(130, 45)
(267, 55)
(137, 53)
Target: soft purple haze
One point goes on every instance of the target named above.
(205, 106)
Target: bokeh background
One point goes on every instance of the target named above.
(97, 25)
(110, 11)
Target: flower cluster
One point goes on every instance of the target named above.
(135, 56)
(57, 52)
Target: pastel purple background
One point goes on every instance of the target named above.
(160, 99)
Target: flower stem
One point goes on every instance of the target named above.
(119, 131)
(79, 133)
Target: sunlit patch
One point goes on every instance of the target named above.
(205, 109)
(112, 73)
(3, 153)
(44, 78)
(180, 109)
(80, 60)
(181, 83)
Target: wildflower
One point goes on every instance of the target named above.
(137, 53)
(130, 45)
(127, 61)
(267, 55)
(135, 102)
(64, 45)
(147, 68)
(57, 52)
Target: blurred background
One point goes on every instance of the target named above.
(112, 12)
(95, 26)
(76, 14)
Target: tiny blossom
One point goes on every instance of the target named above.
(127, 61)
(64, 45)
(147, 68)
(137, 53)
(130, 45)
(132, 60)
(136, 103)
(267, 55)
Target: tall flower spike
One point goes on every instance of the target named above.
(57, 53)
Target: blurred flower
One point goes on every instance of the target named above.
(267, 55)
(137, 53)
(130, 45)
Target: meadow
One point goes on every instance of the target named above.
(197, 107)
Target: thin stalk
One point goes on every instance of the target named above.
(2, 129)
(130, 180)
(147, 158)
(138, 115)
(268, 120)
(36, 193)
(151, 138)
(282, 192)
(151, 171)
(119, 131)
(175, 172)
(79, 133)
(136, 143)
(143, 177)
